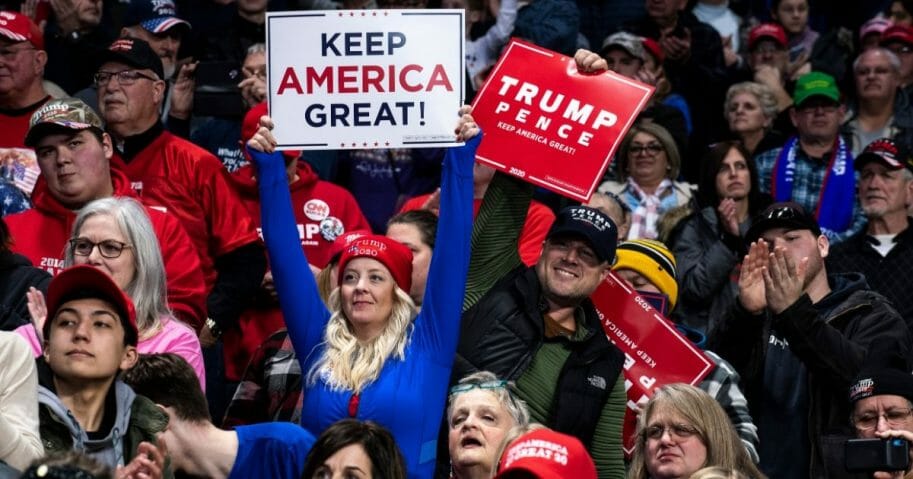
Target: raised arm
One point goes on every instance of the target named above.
(304, 312)
(439, 323)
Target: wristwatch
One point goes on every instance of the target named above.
(213, 328)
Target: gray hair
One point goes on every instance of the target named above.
(147, 289)
(762, 92)
(893, 59)
(256, 48)
(514, 406)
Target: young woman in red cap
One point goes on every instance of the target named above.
(370, 356)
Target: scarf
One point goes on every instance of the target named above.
(646, 209)
(834, 209)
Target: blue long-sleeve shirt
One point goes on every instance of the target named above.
(409, 395)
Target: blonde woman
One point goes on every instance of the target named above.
(683, 429)
(369, 356)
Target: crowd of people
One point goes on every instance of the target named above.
(179, 298)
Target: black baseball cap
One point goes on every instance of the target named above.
(590, 223)
(134, 52)
(788, 215)
(886, 151)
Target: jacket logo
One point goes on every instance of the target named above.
(597, 382)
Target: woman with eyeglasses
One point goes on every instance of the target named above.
(368, 355)
(681, 430)
(116, 236)
(481, 412)
(648, 166)
(709, 244)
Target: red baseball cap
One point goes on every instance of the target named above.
(251, 124)
(84, 281)
(547, 454)
(393, 254)
(897, 33)
(20, 28)
(772, 31)
(652, 47)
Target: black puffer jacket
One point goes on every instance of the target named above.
(16, 276)
(503, 331)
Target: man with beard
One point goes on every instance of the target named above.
(878, 113)
(883, 252)
(798, 336)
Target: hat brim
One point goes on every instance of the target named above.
(87, 281)
(832, 96)
(39, 131)
(758, 229)
(163, 24)
(570, 230)
(866, 158)
(761, 38)
(118, 57)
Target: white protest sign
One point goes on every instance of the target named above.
(348, 79)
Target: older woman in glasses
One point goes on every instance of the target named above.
(480, 413)
(681, 430)
(115, 235)
(648, 165)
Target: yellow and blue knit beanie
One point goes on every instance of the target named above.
(653, 261)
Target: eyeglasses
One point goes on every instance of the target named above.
(110, 249)
(894, 417)
(123, 77)
(676, 431)
(11, 53)
(652, 149)
(461, 388)
(250, 72)
(901, 49)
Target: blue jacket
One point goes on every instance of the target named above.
(409, 395)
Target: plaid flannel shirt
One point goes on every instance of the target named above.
(808, 179)
(723, 384)
(271, 387)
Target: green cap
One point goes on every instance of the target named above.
(63, 113)
(815, 84)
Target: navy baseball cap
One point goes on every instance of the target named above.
(590, 223)
(156, 16)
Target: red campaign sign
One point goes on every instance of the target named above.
(550, 124)
(656, 354)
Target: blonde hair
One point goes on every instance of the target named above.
(714, 430)
(346, 363)
(717, 472)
